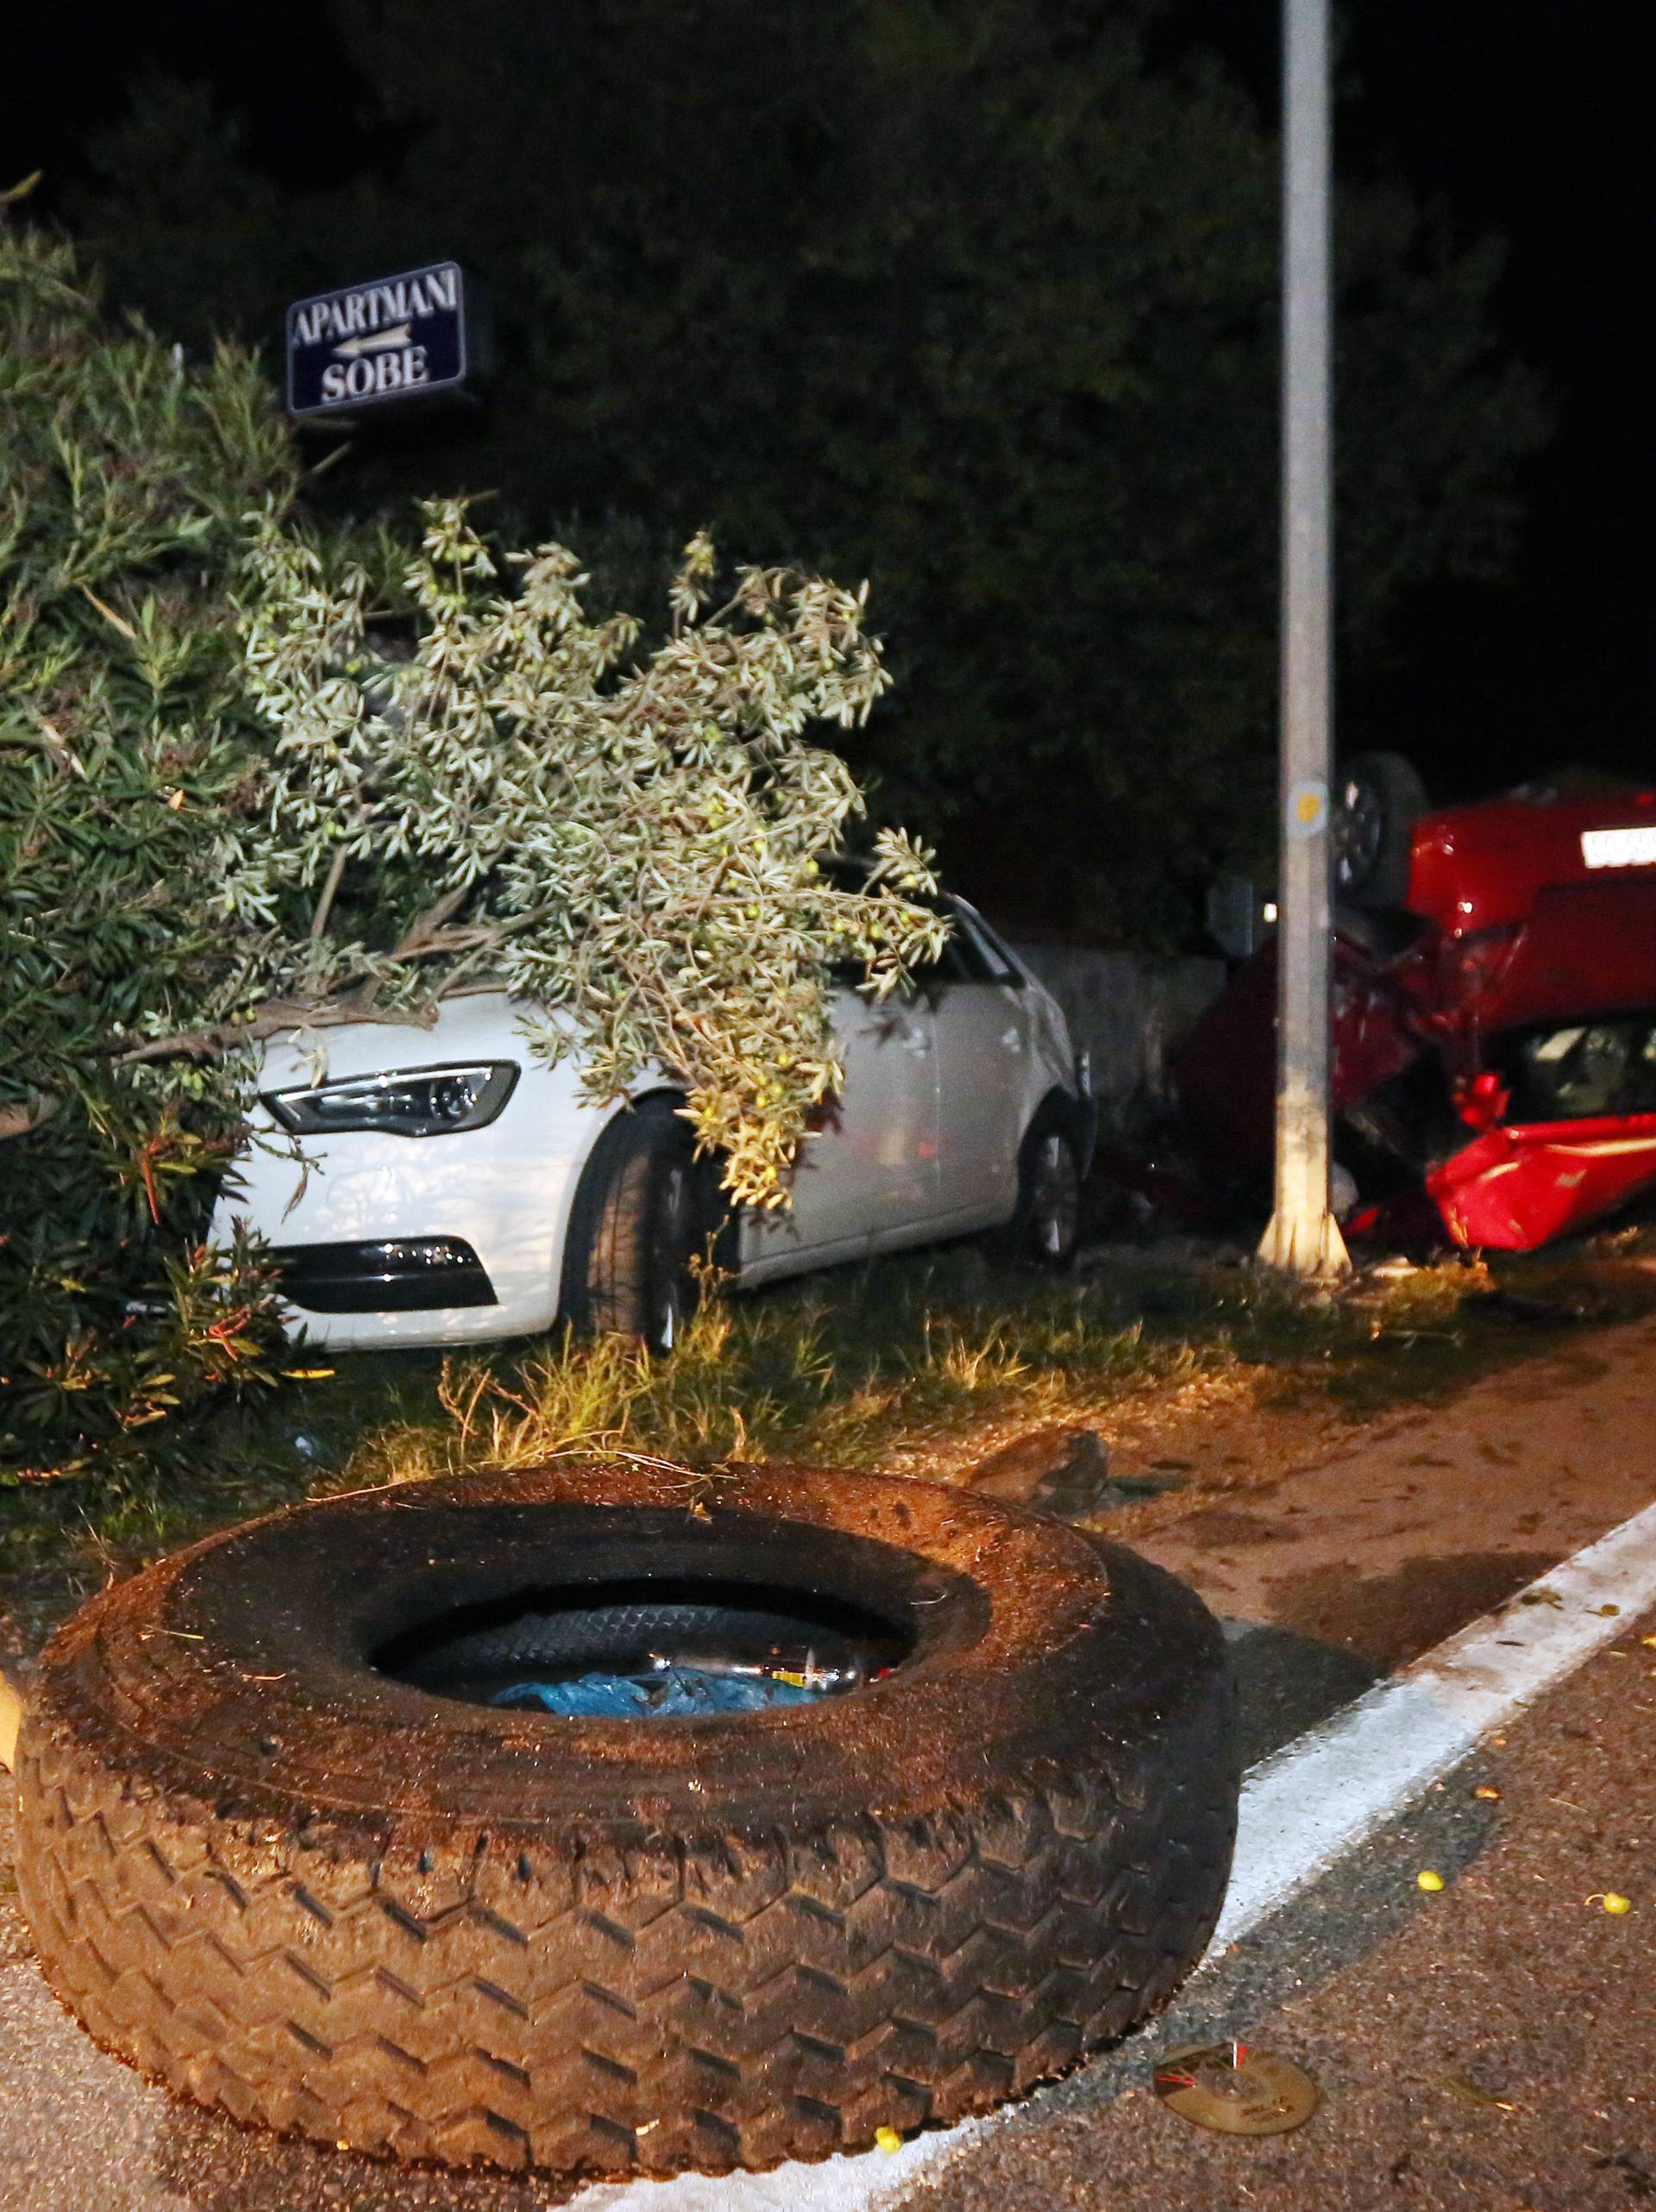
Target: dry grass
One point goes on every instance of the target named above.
(920, 1362)
(852, 1368)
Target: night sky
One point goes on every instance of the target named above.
(1531, 120)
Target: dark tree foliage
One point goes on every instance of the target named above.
(976, 299)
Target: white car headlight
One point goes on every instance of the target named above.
(401, 1102)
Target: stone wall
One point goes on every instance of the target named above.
(1128, 1010)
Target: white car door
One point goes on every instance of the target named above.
(868, 1177)
(985, 1076)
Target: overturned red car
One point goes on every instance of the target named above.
(1494, 1011)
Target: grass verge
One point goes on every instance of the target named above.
(908, 1362)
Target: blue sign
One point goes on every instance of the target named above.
(395, 338)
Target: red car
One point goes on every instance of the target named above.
(1494, 1010)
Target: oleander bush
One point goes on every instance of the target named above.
(259, 773)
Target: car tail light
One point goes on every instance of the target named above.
(1479, 960)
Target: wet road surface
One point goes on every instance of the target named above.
(1392, 1541)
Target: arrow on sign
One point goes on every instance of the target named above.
(381, 342)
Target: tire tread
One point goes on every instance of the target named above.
(718, 2003)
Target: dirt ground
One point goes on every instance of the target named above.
(1377, 1536)
(1188, 1442)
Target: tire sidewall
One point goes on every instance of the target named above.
(1391, 797)
(647, 1212)
(1024, 1241)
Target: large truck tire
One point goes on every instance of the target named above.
(278, 1850)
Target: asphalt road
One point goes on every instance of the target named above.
(1395, 1538)
(1509, 1981)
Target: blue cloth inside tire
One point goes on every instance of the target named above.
(670, 1693)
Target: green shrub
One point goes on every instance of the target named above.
(257, 776)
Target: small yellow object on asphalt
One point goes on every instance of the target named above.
(1487, 1789)
(888, 2139)
(1651, 1640)
(1613, 1902)
(1427, 1878)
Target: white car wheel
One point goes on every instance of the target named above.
(672, 1247)
(1045, 1230)
(1055, 1199)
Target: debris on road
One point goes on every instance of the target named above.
(1471, 2092)
(1486, 1790)
(544, 1619)
(672, 1691)
(1612, 1901)
(1429, 1879)
(1040, 1459)
(1237, 2090)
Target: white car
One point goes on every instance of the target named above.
(453, 1187)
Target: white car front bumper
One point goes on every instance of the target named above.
(352, 1206)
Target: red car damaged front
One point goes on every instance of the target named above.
(1495, 1033)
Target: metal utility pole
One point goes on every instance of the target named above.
(1303, 1235)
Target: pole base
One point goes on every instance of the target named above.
(1307, 1244)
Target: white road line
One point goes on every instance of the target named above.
(1313, 1800)
(1302, 1809)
